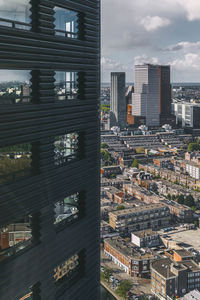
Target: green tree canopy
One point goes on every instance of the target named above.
(135, 163)
(193, 147)
(189, 201)
(140, 150)
(105, 275)
(104, 146)
(181, 199)
(123, 288)
(120, 207)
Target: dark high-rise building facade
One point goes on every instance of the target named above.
(49, 157)
(165, 105)
(118, 100)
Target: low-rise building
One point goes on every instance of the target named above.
(134, 261)
(146, 238)
(193, 170)
(173, 279)
(180, 212)
(139, 218)
(194, 295)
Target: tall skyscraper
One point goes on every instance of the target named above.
(118, 100)
(49, 157)
(152, 96)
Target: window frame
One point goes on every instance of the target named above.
(77, 35)
(66, 282)
(80, 149)
(76, 84)
(65, 223)
(34, 240)
(13, 23)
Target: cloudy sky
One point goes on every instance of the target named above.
(152, 31)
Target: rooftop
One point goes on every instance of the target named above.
(128, 249)
(134, 210)
(145, 233)
(163, 266)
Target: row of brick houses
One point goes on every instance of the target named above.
(134, 262)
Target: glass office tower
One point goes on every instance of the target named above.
(49, 157)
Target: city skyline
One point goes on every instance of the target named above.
(165, 33)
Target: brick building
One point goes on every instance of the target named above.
(128, 257)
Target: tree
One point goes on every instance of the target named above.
(135, 163)
(193, 147)
(120, 207)
(181, 199)
(173, 197)
(140, 150)
(105, 275)
(169, 196)
(189, 201)
(105, 155)
(104, 146)
(123, 288)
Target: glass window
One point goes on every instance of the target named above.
(15, 86)
(66, 148)
(66, 22)
(67, 210)
(15, 237)
(31, 293)
(70, 269)
(66, 85)
(15, 162)
(15, 14)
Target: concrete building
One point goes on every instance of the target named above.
(134, 262)
(152, 96)
(118, 100)
(134, 219)
(187, 114)
(146, 238)
(173, 279)
(194, 295)
(193, 170)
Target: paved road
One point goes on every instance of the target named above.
(140, 285)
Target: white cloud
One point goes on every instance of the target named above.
(191, 7)
(190, 62)
(142, 59)
(184, 46)
(113, 65)
(154, 23)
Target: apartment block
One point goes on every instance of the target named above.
(139, 218)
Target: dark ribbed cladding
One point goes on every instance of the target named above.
(43, 53)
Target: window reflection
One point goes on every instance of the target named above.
(66, 85)
(67, 210)
(15, 162)
(66, 148)
(15, 87)
(15, 13)
(28, 295)
(66, 22)
(68, 269)
(14, 237)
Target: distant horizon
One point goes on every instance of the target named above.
(173, 83)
